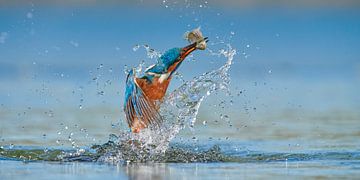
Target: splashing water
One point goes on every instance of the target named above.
(179, 108)
(150, 52)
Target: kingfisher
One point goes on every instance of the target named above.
(143, 95)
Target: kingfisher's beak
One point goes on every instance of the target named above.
(190, 48)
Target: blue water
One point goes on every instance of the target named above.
(294, 87)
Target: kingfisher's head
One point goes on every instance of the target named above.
(171, 60)
(176, 55)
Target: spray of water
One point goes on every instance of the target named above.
(179, 109)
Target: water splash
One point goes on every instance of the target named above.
(172, 155)
(181, 107)
(150, 52)
(178, 109)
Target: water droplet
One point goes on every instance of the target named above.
(80, 106)
(232, 33)
(81, 150)
(136, 47)
(248, 45)
(66, 127)
(75, 44)
(3, 37)
(270, 71)
(29, 15)
(204, 123)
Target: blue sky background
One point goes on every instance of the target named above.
(300, 55)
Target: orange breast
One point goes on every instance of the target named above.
(155, 90)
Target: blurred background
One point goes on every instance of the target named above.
(295, 78)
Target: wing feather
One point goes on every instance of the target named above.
(137, 106)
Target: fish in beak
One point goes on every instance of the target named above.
(192, 47)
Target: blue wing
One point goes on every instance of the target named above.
(136, 104)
